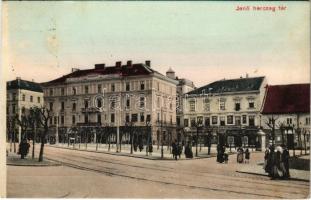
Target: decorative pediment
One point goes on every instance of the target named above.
(237, 98)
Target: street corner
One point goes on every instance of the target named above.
(15, 160)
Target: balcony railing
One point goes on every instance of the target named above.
(90, 110)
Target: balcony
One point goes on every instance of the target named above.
(89, 124)
(90, 110)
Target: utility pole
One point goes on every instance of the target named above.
(118, 132)
(161, 135)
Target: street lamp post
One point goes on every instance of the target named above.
(130, 126)
(56, 131)
(162, 136)
(148, 136)
(198, 125)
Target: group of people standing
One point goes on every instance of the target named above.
(277, 162)
(23, 148)
(222, 154)
(177, 149)
(243, 156)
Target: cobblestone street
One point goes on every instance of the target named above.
(89, 174)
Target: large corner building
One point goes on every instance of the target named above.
(122, 97)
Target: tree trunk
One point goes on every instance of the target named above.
(42, 144)
(11, 138)
(41, 150)
(305, 144)
(33, 142)
(120, 142)
(300, 143)
(96, 140)
(109, 142)
(14, 144)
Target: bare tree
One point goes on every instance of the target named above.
(271, 123)
(198, 124)
(23, 122)
(11, 124)
(44, 117)
(34, 118)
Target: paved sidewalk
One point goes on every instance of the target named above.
(299, 175)
(156, 155)
(15, 160)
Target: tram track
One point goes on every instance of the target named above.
(199, 173)
(107, 171)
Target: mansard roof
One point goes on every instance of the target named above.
(101, 69)
(287, 99)
(23, 84)
(231, 85)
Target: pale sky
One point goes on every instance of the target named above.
(201, 41)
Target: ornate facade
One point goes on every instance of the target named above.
(121, 97)
(226, 112)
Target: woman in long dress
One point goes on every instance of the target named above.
(240, 155)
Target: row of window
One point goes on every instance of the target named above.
(128, 86)
(163, 118)
(100, 104)
(164, 103)
(222, 105)
(100, 89)
(289, 121)
(31, 98)
(134, 118)
(221, 120)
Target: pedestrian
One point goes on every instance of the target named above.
(285, 161)
(271, 161)
(141, 147)
(150, 149)
(277, 170)
(24, 148)
(174, 150)
(226, 156)
(218, 159)
(247, 155)
(240, 155)
(135, 147)
(180, 147)
(223, 150)
(188, 151)
(267, 152)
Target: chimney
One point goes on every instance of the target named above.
(148, 63)
(100, 66)
(18, 80)
(170, 74)
(118, 64)
(129, 63)
(74, 69)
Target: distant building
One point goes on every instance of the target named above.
(288, 108)
(113, 97)
(184, 86)
(22, 95)
(227, 110)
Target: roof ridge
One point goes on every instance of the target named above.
(289, 84)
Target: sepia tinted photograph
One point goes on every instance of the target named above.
(155, 99)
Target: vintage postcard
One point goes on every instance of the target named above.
(155, 99)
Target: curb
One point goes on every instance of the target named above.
(133, 156)
(253, 173)
(33, 163)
